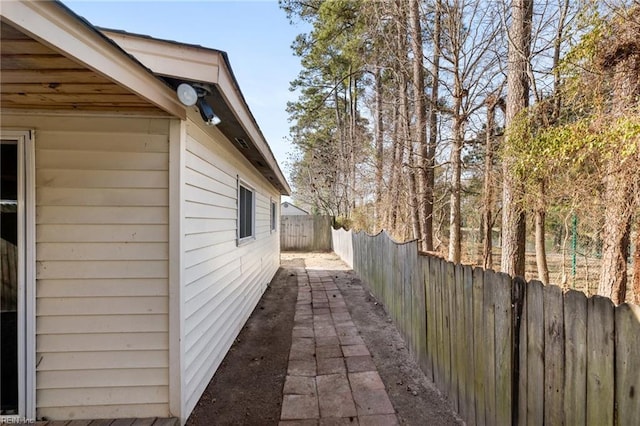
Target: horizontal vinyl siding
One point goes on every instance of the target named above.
(223, 281)
(86, 411)
(102, 268)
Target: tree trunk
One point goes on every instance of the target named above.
(488, 194)
(406, 120)
(411, 174)
(341, 178)
(353, 135)
(421, 117)
(430, 158)
(557, 48)
(513, 217)
(413, 195)
(379, 147)
(616, 236)
(399, 44)
(396, 172)
(622, 176)
(487, 234)
(541, 254)
(455, 240)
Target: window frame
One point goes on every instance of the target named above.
(252, 235)
(273, 212)
(25, 140)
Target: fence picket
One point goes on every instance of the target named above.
(396, 288)
(504, 348)
(449, 333)
(627, 364)
(535, 353)
(467, 349)
(600, 361)
(575, 350)
(459, 345)
(419, 320)
(398, 292)
(522, 361)
(553, 355)
(429, 292)
(438, 283)
(490, 349)
(479, 345)
(409, 253)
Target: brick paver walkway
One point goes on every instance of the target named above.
(331, 379)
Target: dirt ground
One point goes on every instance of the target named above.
(247, 388)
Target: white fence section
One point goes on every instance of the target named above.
(342, 244)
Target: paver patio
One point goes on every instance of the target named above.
(331, 378)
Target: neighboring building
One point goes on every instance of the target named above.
(141, 238)
(288, 209)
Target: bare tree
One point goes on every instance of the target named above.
(420, 111)
(469, 29)
(492, 102)
(379, 132)
(513, 215)
(430, 158)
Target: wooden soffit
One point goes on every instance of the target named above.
(53, 60)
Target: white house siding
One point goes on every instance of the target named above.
(223, 281)
(102, 250)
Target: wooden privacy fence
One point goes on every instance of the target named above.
(502, 350)
(342, 245)
(305, 233)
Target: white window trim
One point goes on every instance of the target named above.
(252, 237)
(26, 272)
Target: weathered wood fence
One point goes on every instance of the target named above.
(502, 350)
(305, 233)
(342, 245)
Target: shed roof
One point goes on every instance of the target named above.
(287, 204)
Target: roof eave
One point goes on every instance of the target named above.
(56, 26)
(167, 58)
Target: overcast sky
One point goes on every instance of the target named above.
(255, 34)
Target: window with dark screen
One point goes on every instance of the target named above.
(245, 213)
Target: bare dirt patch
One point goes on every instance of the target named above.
(247, 388)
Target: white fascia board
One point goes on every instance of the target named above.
(231, 93)
(169, 59)
(55, 26)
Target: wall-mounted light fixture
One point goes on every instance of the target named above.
(193, 94)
